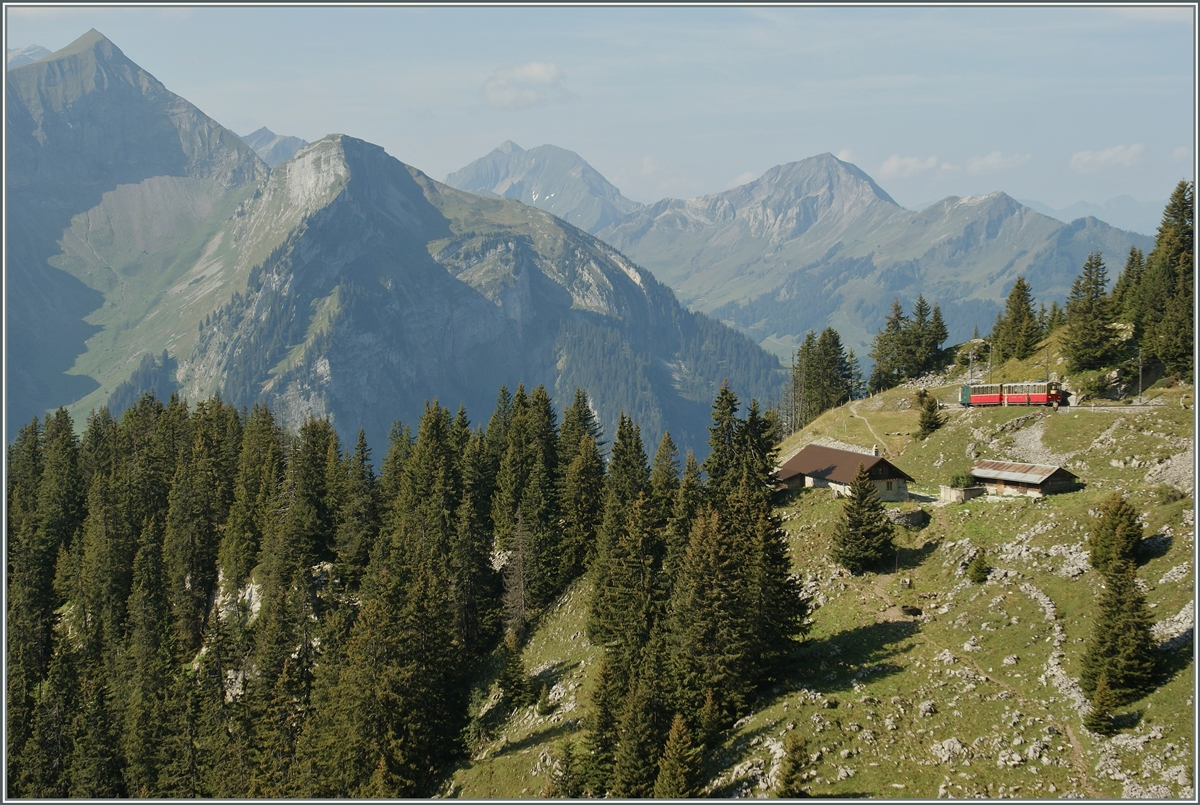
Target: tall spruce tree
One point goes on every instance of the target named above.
(679, 766)
(863, 537)
(1121, 647)
(1089, 342)
(1016, 333)
(1166, 296)
(1115, 533)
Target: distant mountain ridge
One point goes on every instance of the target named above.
(1125, 212)
(273, 148)
(16, 57)
(550, 178)
(818, 243)
(341, 282)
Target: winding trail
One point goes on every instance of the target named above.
(879, 439)
(1078, 761)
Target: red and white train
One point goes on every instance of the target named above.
(1029, 393)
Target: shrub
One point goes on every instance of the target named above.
(1089, 384)
(961, 480)
(978, 569)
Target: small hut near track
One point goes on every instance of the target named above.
(1034, 480)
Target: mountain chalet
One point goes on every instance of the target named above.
(818, 466)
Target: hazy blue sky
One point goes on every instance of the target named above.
(1053, 104)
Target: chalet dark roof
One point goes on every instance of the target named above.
(1019, 473)
(840, 466)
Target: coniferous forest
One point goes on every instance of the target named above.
(200, 604)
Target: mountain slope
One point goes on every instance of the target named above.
(273, 148)
(386, 288)
(16, 57)
(549, 178)
(340, 283)
(115, 185)
(817, 243)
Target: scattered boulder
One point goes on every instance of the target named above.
(927, 708)
(949, 750)
(972, 645)
(945, 658)
(1011, 659)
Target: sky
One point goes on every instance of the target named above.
(1053, 104)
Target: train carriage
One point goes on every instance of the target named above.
(1027, 393)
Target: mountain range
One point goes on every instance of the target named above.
(340, 282)
(271, 147)
(818, 242)
(549, 178)
(15, 57)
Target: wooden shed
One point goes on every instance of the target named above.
(1034, 480)
(818, 466)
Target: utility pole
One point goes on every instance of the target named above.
(1139, 376)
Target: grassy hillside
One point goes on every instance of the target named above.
(977, 696)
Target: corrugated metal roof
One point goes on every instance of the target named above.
(1011, 471)
(836, 465)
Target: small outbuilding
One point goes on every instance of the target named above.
(818, 466)
(1034, 480)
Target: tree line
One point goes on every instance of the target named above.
(1147, 315)
(200, 604)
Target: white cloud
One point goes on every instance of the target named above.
(745, 178)
(845, 155)
(525, 85)
(995, 161)
(898, 167)
(649, 166)
(1177, 14)
(1119, 156)
(1182, 154)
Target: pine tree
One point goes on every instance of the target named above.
(148, 665)
(259, 474)
(642, 729)
(930, 418)
(566, 781)
(708, 629)
(887, 350)
(863, 537)
(1103, 701)
(1121, 647)
(1167, 302)
(582, 502)
(664, 480)
(476, 585)
(31, 600)
(916, 341)
(724, 461)
(1115, 533)
(514, 680)
(1016, 333)
(1125, 291)
(359, 524)
(791, 770)
(601, 738)
(679, 765)
(936, 335)
(683, 513)
(1089, 343)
